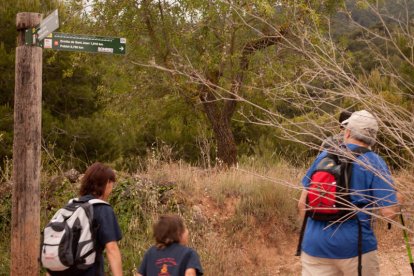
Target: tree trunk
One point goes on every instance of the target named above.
(219, 118)
(226, 145)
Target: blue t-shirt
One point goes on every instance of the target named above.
(370, 186)
(108, 231)
(173, 260)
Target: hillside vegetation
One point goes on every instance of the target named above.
(242, 221)
(231, 215)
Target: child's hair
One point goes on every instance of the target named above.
(168, 230)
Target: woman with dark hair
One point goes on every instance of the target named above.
(170, 255)
(97, 183)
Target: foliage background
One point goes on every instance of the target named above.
(146, 107)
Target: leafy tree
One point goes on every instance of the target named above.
(207, 47)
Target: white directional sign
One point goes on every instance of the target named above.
(48, 25)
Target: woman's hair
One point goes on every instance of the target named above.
(344, 115)
(168, 230)
(95, 179)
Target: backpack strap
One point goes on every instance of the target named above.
(302, 233)
(359, 248)
(97, 201)
(90, 201)
(358, 152)
(347, 173)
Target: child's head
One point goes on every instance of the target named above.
(170, 229)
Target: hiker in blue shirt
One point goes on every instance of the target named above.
(330, 248)
(170, 256)
(97, 183)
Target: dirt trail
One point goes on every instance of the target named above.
(392, 254)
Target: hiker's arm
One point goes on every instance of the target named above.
(302, 203)
(190, 272)
(114, 257)
(393, 210)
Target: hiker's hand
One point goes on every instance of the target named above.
(400, 198)
(390, 212)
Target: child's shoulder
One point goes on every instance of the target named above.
(188, 250)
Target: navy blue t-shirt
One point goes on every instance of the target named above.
(173, 260)
(108, 231)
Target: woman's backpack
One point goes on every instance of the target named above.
(69, 239)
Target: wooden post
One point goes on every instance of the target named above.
(25, 229)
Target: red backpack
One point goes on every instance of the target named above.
(328, 195)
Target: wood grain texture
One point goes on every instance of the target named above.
(25, 232)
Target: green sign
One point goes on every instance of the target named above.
(84, 43)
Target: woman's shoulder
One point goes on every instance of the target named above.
(103, 211)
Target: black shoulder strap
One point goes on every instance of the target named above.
(302, 233)
(356, 153)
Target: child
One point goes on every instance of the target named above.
(170, 256)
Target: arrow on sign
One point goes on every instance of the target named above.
(84, 43)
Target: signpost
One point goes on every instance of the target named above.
(44, 36)
(32, 33)
(25, 226)
(48, 25)
(84, 43)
